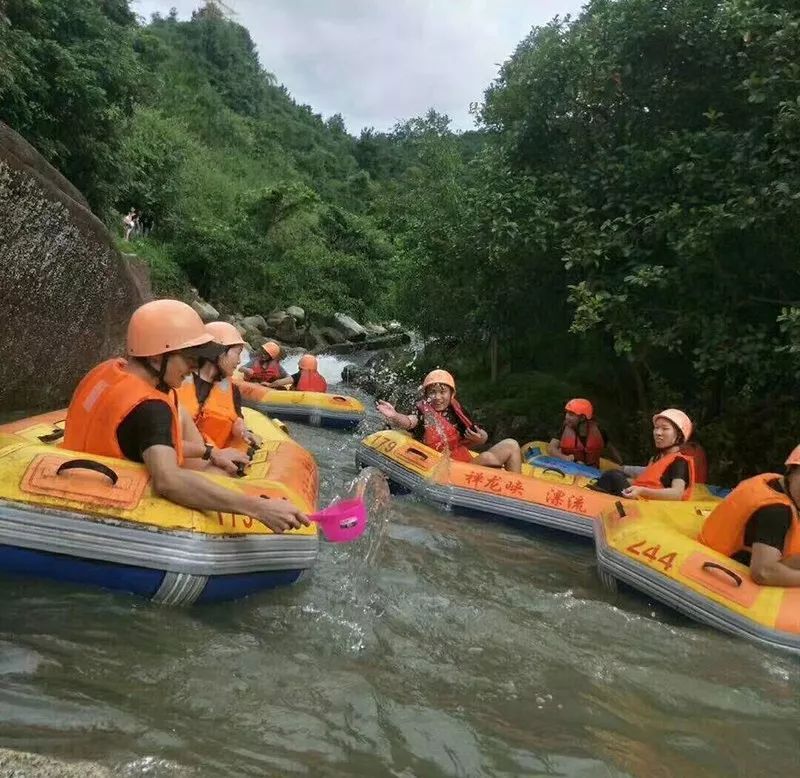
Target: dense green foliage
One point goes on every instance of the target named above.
(626, 219)
(640, 188)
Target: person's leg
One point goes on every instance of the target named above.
(505, 454)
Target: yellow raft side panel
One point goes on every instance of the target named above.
(280, 469)
(666, 542)
(281, 397)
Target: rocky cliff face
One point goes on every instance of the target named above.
(66, 293)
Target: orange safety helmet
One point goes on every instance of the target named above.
(308, 362)
(439, 377)
(225, 334)
(679, 419)
(794, 457)
(162, 326)
(272, 349)
(580, 407)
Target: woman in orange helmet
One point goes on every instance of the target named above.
(265, 368)
(581, 439)
(308, 378)
(212, 400)
(440, 422)
(127, 408)
(758, 525)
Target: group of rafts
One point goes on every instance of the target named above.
(91, 519)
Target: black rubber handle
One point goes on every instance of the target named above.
(53, 436)
(555, 470)
(251, 450)
(620, 509)
(714, 566)
(240, 466)
(89, 464)
(420, 454)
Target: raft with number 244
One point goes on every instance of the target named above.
(657, 553)
(95, 520)
(543, 496)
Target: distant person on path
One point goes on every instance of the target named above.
(130, 222)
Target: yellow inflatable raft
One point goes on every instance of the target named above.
(319, 409)
(656, 552)
(540, 495)
(88, 519)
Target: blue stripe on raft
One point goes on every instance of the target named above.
(60, 567)
(569, 468)
(232, 587)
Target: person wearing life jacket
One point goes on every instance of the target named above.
(308, 378)
(440, 422)
(758, 525)
(670, 473)
(212, 399)
(581, 438)
(127, 408)
(266, 368)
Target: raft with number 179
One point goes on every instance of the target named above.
(94, 520)
(543, 496)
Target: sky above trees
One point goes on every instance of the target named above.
(378, 62)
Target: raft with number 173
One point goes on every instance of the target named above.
(94, 520)
(657, 553)
(543, 496)
(320, 409)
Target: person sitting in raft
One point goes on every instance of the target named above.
(308, 378)
(757, 524)
(265, 369)
(128, 409)
(581, 438)
(441, 423)
(213, 400)
(670, 473)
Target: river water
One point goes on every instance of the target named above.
(462, 647)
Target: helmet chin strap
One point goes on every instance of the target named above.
(161, 385)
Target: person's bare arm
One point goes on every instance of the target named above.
(673, 492)
(554, 450)
(767, 568)
(279, 382)
(192, 490)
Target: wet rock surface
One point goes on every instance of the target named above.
(66, 292)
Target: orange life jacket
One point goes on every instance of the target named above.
(311, 381)
(216, 416)
(698, 454)
(724, 529)
(589, 452)
(441, 433)
(266, 373)
(103, 400)
(651, 475)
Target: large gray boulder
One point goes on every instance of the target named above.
(351, 329)
(257, 322)
(375, 329)
(297, 313)
(332, 335)
(66, 292)
(287, 331)
(205, 311)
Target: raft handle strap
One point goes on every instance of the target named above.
(555, 470)
(620, 509)
(714, 566)
(416, 452)
(53, 436)
(89, 464)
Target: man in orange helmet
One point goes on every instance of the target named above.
(441, 423)
(581, 439)
(757, 524)
(265, 368)
(308, 378)
(128, 409)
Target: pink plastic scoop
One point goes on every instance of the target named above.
(343, 521)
